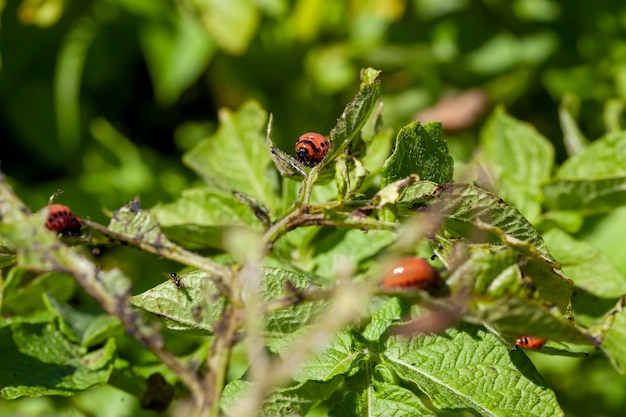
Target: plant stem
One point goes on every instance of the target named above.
(219, 356)
(300, 217)
(171, 251)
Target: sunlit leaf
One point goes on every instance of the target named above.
(354, 115)
(194, 308)
(467, 210)
(201, 216)
(519, 159)
(419, 150)
(491, 380)
(236, 158)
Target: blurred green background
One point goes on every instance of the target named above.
(100, 98)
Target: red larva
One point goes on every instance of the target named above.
(311, 148)
(411, 272)
(530, 342)
(61, 220)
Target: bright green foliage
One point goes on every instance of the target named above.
(289, 267)
(236, 157)
(184, 309)
(614, 341)
(419, 150)
(279, 298)
(87, 328)
(201, 216)
(348, 128)
(584, 264)
(38, 360)
(283, 323)
(604, 158)
(24, 292)
(461, 371)
(385, 398)
(592, 181)
(467, 208)
(176, 49)
(519, 160)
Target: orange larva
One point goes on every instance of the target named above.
(530, 342)
(411, 272)
(61, 220)
(311, 148)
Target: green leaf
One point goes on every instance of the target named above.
(284, 322)
(231, 24)
(7, 259)
(287, 165)
(597, 278)
(419, 150)
(7, 253)
(349, 246)
(602, 159)
(23, 295)
(487, 272)
(570, 221)
(354, 116)
(378, 149)
(587, 196)
(177, 51)
(338, 357)
(517, 292)
(588, 267)
(89, 329)
(347, 405)
(194, 308)
(467, 209)
(201, 217)
(514, 317)
(134, 222)
(390, 193)
(491, 380)
(614, 340)
(547, 280)
(299, 399)
(608, 234)
(592, 181)
(385, 311)
(291, 401)
(376, 392)
(236, 157)
(187, 309)
(22, 229)
(519, 160)
(233, 393)
(575, 141)
(39, 361)
(389, 399)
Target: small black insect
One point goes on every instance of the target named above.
(176, 280)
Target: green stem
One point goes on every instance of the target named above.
(307, 187)
(314, 216)
(219, 357)
(171, 251)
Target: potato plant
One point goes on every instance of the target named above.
(280, 272)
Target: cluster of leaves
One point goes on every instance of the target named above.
(307, 252)
(98, 88)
